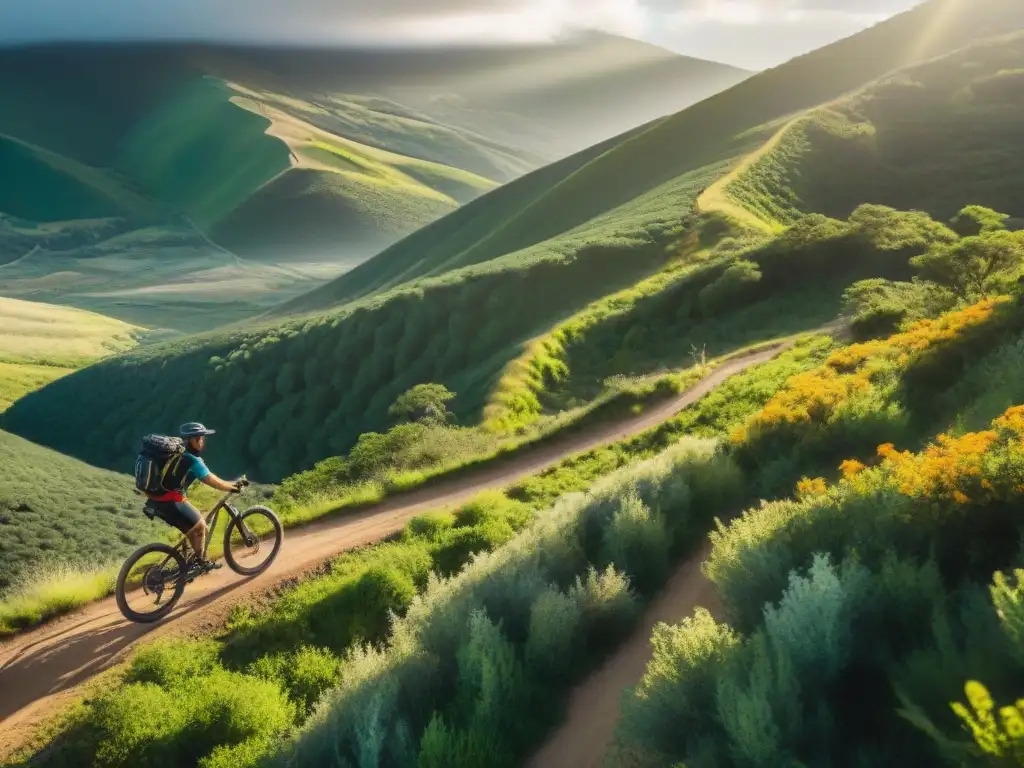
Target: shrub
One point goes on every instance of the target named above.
(424, 402)
(173, 663)
(637, 543)
(736, 286)
(183, 722)
(976, 219)
(453, 549)
(975, 265)
(467, 671)
(669, 704)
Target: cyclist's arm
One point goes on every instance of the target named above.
(215, 482)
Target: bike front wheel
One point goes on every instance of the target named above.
(150, 583)
(252, 541)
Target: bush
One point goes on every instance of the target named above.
(660, 715)
(454, 548)
(145, 723)
(737, 285)
(173, 663)
(510, 612)
(424, 402)
(637, 543)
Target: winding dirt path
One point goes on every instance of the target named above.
(595, 706)
(42, 669)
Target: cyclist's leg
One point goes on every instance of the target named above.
(186, 518)
(196, 534)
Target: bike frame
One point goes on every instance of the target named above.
(183, 547)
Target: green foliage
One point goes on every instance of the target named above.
(999, 736)
(423, 402)
(478, 664)
(802, 274)
(287, 655)
(184, 719)
(976, 220)
(637, 543)
(879, 307)
(679, 682)
(736, 286)
(975, 265)
(715, 415)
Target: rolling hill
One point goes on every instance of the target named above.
(302, 162)
(459, 302)
(40, 343)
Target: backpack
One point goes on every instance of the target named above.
(157, 464)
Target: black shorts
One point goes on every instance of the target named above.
(180, 514)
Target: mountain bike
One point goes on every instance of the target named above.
(153, 578)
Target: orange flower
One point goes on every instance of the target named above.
(813, 397)
(887, 451)
(809, 487)
(1012, 420)
(851, 468)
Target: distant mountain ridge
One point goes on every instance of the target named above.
(285, 156)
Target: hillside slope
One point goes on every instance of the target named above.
(538, 211)
(294, 390)
(312, 159)
(54, 508)
(41, 342)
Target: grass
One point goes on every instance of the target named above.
(45, 186)
(44, 334)
(43, 342)
(54, 507)
(52, 590)
(18, 379)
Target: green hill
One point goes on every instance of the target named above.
(534, 217)
(41, 342)
(313, 159)
(895, 142)
(55, 508)
(292, 390)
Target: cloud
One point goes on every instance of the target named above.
(315, 20)
(743, 10)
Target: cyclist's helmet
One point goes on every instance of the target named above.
(194, 429)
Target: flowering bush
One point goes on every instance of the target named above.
(816, 395)
(866, 394)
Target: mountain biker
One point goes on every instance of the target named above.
(174, 508)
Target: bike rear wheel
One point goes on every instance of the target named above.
(252, 541)
(150, 583)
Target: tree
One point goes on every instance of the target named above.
(424, 402)
(974, 265)
(976, 220)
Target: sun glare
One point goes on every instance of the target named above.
(939, 26)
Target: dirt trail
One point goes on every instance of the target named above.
(41, 669)
(595, 705)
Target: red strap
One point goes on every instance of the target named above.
(169, 496)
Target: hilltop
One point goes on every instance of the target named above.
(459, 302)
(302, 162)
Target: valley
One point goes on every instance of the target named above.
(262, 173)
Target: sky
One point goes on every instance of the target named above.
(755, 34)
